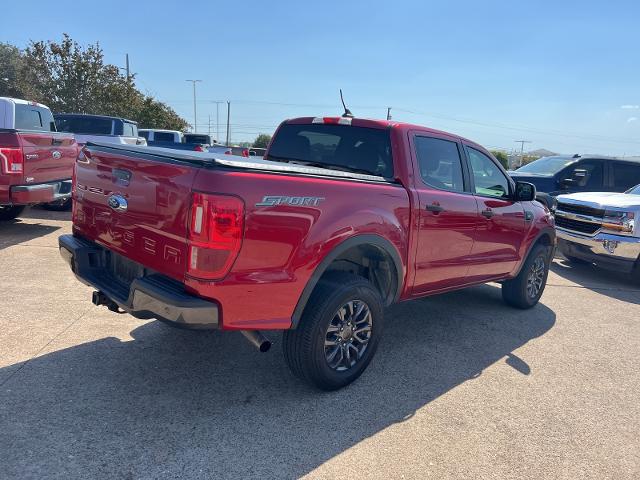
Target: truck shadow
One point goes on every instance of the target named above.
(180, 403)
(17, 231)
(619, 286)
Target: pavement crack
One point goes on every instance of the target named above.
(44, 347)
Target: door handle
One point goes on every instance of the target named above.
(435, 208)
(488, 213)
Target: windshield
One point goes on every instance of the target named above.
(365, 150)
(546, 165)
(85, 125)
(634, 191)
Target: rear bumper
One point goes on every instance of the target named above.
(40, 193)
(147, 295)
(614, 252)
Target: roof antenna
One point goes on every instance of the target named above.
(347, 113)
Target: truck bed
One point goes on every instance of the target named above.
(211, 160)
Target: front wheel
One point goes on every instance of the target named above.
(9, 213)
(338, 333)
(525, 290)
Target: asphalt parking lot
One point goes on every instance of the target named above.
(462, 386)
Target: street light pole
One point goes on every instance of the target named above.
(195, 112)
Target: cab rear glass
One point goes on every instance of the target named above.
(85, 125)
(32, 117)
(367, 150)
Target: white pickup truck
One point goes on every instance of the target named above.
(601, 228)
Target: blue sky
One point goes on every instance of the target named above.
(562, 74)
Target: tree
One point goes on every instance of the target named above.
(155, 114)
(262, 141)
(502, 158)
(11, 65)
(70, 78)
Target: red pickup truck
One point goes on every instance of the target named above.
(342, 218)
(36, 162)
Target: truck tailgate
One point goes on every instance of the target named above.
(48, 156)
(135, 206)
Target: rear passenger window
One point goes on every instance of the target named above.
(144, 134)
(31, 117)
(440, 164)
(625, 176)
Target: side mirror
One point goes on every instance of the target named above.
(567, 182)
(525, 192)
(580, 173)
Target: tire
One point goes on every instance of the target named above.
(63, 206)
(305, 349)
(525, 290)
(9, 213)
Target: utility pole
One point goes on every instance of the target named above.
(127, 67)
(522, 142)
(228, 116)
(217, 119)
(209, 125)
(195, 114)
(388, 113)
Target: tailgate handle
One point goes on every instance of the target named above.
(55, 142)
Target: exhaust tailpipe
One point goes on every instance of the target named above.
(257, 339)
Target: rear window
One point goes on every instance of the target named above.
(85, 125)
(190, 138)
(164, 137)
(365, 150)
(31, 117)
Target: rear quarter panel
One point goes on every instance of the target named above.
(284, 244)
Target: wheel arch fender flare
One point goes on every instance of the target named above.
(545, 232)
(359, 240)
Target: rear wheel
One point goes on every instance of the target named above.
(338, 333)
(525, 290)
(9, 213)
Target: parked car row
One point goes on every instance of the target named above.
(38, 150)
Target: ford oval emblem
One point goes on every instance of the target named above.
(118, 203)
(56, 154)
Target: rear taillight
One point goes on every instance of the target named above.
(199, 148)
(215, 235)
(228, 152)
(12, 161)
(245, 152)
